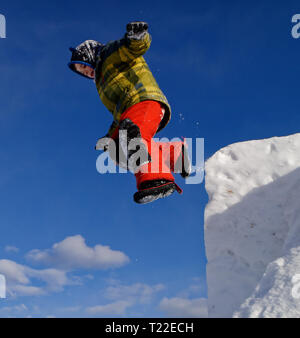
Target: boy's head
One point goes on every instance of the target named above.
(84, 57)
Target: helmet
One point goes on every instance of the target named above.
(86, 54)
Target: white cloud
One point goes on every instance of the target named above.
(24, 290)
(184, 308)
(16, 308)
(10, 248)
(124, 296)
(55, 279)
(138, 292)
(19, 279)
(13, 271)
(72, 253)
(116, 308)
(196, 288)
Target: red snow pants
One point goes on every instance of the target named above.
(147, 115)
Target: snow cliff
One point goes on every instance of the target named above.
(252, 229)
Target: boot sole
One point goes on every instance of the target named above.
(152, 194)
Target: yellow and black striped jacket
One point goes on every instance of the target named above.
(123, 78)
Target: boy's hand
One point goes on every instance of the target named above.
(136, 29)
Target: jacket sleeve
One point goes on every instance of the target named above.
(133, 48)
(124, 50)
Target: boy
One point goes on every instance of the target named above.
(128, 89)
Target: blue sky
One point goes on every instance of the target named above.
(230, 72)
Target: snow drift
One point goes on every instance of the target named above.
(252, 229)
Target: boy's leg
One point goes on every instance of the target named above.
(175, 156)
(142, 121)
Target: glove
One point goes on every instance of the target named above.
(103, 143)
(136, 30)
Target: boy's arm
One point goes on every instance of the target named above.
(136, 41)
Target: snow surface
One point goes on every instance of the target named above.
(252, 229)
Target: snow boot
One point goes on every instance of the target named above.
(150, 191)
